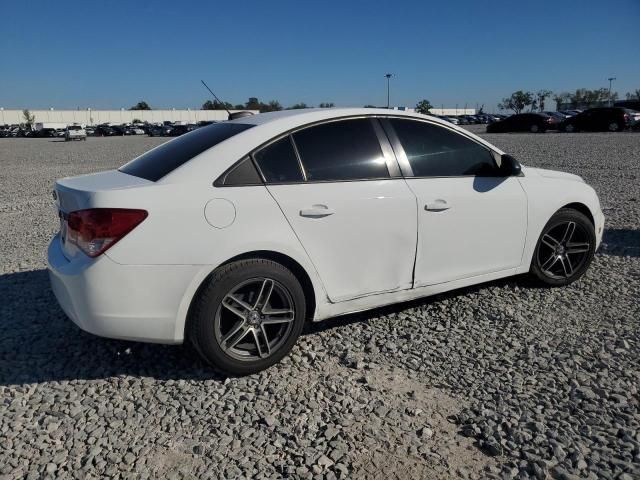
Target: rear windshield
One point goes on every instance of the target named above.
(164, 159)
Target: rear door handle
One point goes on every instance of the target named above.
(317, 211)
(437, 205)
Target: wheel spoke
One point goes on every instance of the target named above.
(237, 306)
(581, 247)
(263, 350)
(568, 233)
(549, 241)
(272, 316)
(551, 261)
(566, 266)
(262, 300)
(238, 332)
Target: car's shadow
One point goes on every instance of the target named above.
(38, 343)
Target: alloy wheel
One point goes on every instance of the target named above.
(254, 319)
(613, 127)
(564, 249)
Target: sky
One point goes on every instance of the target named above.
(110, 55)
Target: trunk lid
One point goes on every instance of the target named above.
(78, 193)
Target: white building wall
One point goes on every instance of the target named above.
(94, 117)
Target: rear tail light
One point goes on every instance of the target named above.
(626, 117)
(96, 230)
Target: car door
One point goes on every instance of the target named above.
(343, 194)
(471, 220)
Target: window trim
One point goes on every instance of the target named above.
(384, 137)
(403, 160)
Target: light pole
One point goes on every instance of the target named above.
(388, 77)
(611, 80)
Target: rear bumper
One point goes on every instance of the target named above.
(129, 302)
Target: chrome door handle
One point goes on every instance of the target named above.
(437, 205)
(317, 211)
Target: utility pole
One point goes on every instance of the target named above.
(611, 80)
(388, 77)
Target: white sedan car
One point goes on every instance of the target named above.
(236, 234)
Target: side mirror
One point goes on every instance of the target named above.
(509, 166)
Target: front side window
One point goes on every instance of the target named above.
(343, 150)
(164, 159)
(278, 162)
(435, 151)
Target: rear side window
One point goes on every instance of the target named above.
(435, 151)
(244, 173)
(344, 150)
(162, 160)
(278, 162)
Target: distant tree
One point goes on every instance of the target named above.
(561, 98)
(298, 106)
(541, 96)
(141, 105)
(517, 101)
(272, 106)
(216, 105)
(423, 106)
(252, 104)
(238, 106)
(635, 95)
(326, 105)
(370, 106)
(136, 120)
(481, 111)
(29, 118)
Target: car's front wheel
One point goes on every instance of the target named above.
(565, 248)
(248, 316)
(614, 127)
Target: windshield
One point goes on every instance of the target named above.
(164, 159)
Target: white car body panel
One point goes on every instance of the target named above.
(360, 257)
(463, 240)
(341, 245)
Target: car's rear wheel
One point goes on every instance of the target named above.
(614, 127)
(534, 128)
(569, 128)
(248, 316)
(565, 248)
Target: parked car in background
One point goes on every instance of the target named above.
(523, 122)
(630, 104)
(296, 205)
(104, 131)
(45, 133)
(178, 130)
(75, 132)
(601, 119)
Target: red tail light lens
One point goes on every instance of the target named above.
(96, 230)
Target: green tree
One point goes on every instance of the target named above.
(216, 105)
(423, 106)
(370, 106)
(541, 96)
(561, 98)
(29, 118)
(517, 101)
(298, 106)
(272, 106)
(327, 105)
(141, 105)
(635, 95)
(252, 104)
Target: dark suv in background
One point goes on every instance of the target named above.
(602, 119)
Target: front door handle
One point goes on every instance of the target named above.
(317, 211)
(437, 205)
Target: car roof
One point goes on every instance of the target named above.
(274, 124)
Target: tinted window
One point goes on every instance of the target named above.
(345, 150)
(162, 160)
(434, 151)
(244, 173)
(278, 162)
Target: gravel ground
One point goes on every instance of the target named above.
(502, 380)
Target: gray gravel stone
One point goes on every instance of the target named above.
(545, 379)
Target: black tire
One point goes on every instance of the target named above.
(572, 257)
(204, 330)
(570, 128)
